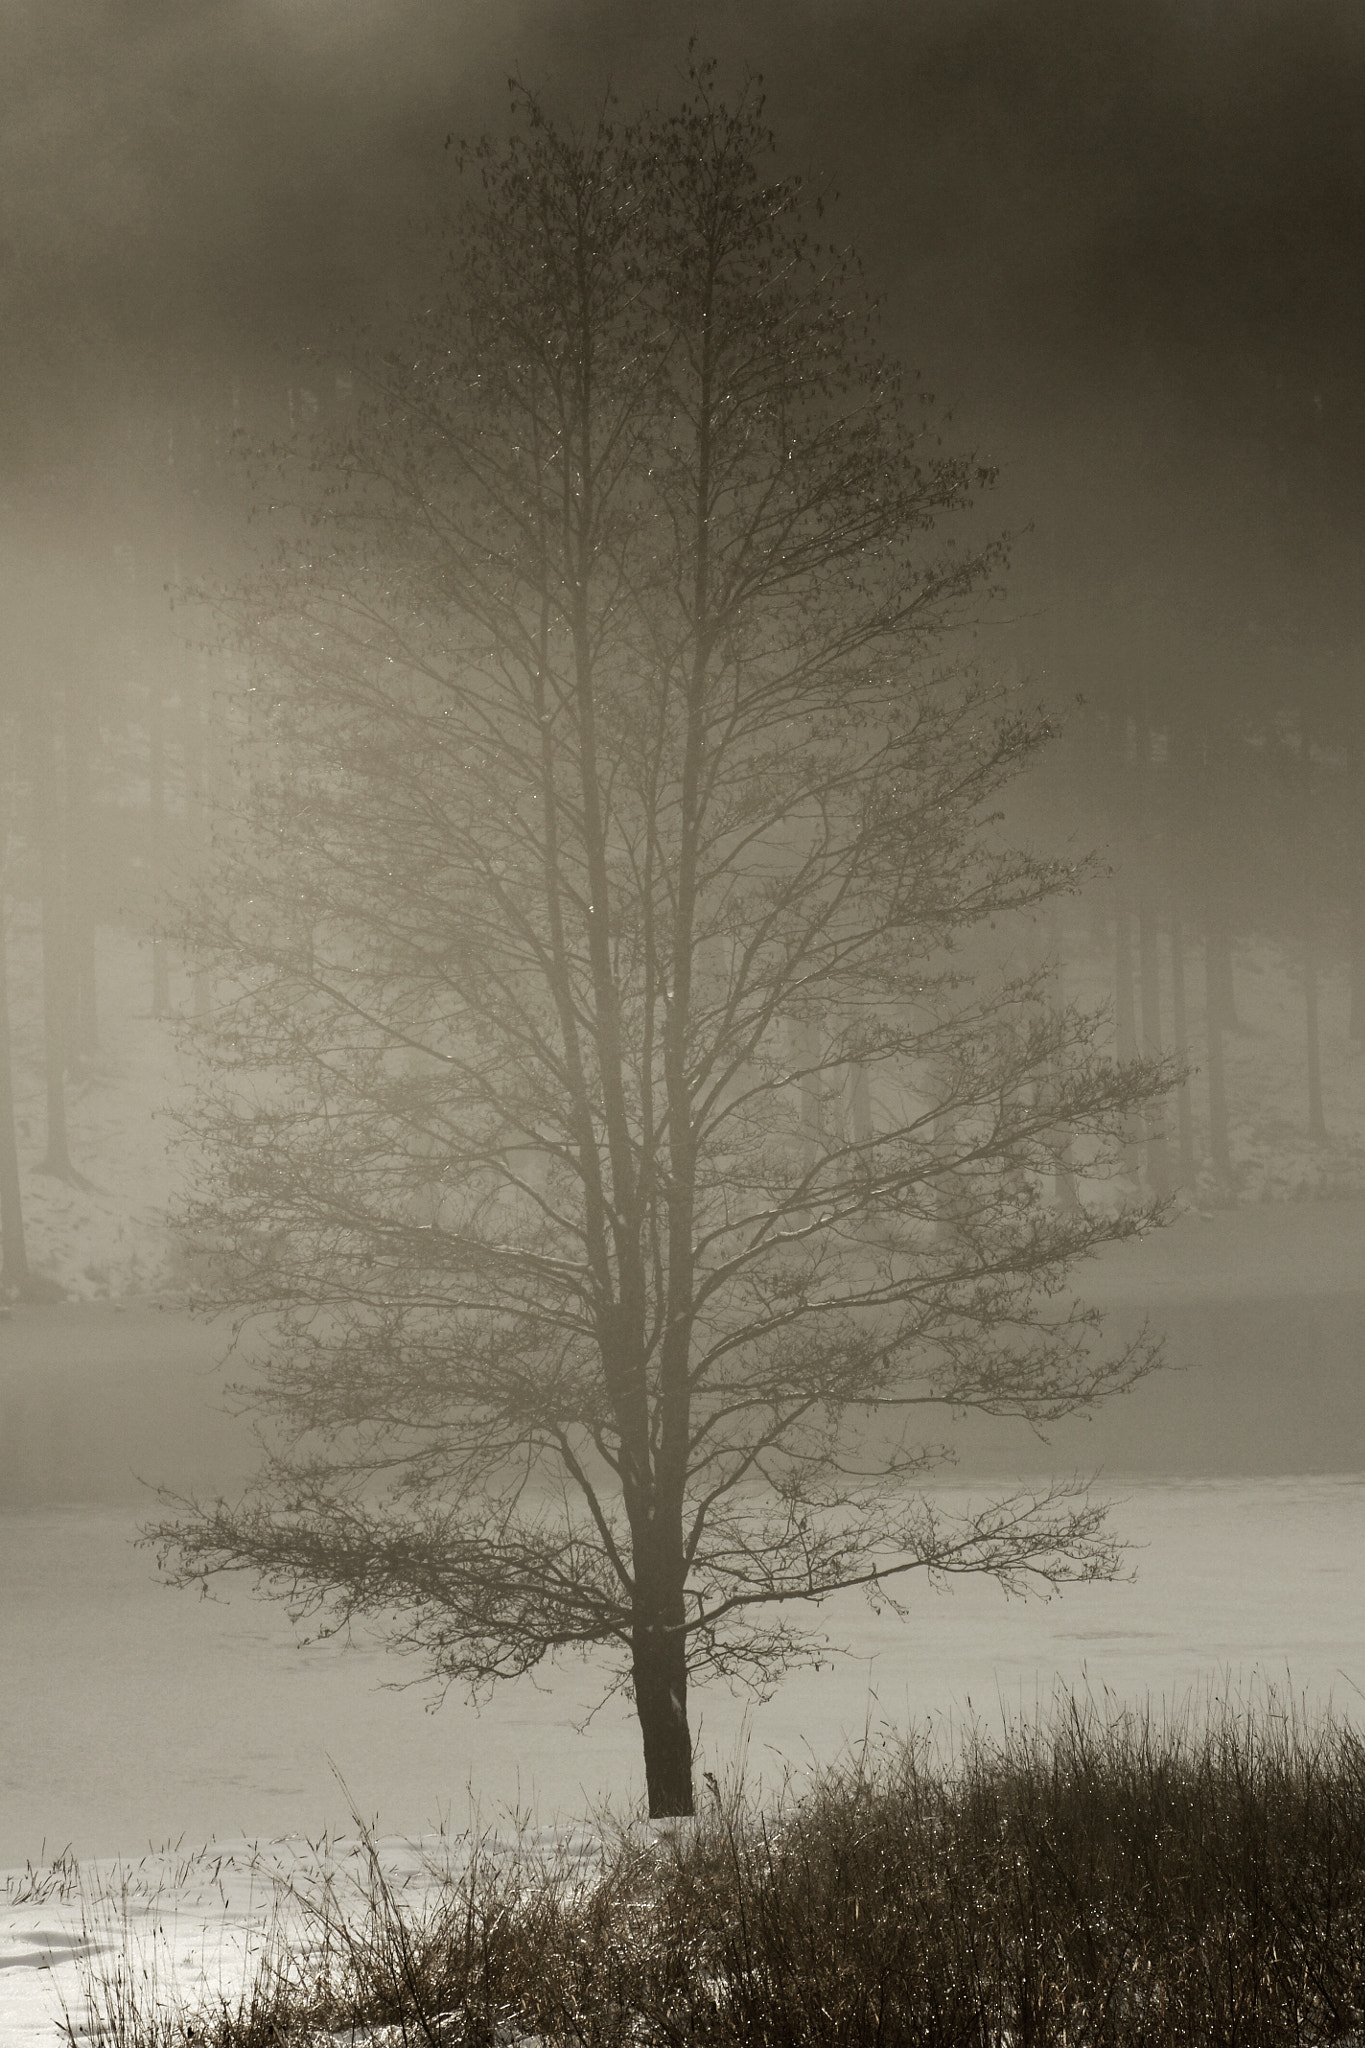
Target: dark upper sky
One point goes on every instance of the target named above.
(1125, 240)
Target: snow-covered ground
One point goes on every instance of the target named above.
(138, 1717)
(174, 1930)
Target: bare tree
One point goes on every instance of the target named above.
(617, 1110)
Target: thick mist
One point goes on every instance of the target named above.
(1123, 247)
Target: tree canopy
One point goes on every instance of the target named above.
(627, 1114)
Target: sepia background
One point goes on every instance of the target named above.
(1124, 247)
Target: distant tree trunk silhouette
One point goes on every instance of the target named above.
(1220, 965)
(1184, 1106)
(1317, 1126)
(1219, 798)
(807, 1060)
(1156, 1150)
(1355, 854)
(47, 806)
(1219, 1146)
(1181, 834)
(1125, 1013)
(78, 727)
(195, 828)
(1065, 1196)
(1215, 955)
(156, 835)
(13, 1252)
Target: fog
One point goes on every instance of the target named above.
(1124, 247)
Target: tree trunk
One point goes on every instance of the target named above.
(659, 1670)
(1125, 1011)
(13, 1252)
(1222, 989)
(1207, 841)
(79, 725)
(1355, 887)
(949, 1194)
(56, 965)
(809, 1039)
(1065, 1197)
(1317, 1127)
(156, 838)
(1183, 835)
(1217, 805)
(860, 1104)
(1219, 1146)
(1184, 1106)
(1125, 1014)
(193, 706)
(1155, 1149)
(1317, 1124)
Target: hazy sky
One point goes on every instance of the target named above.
(1125, 240)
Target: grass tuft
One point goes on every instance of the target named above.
(1102, 1876)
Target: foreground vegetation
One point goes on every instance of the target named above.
(1096, 1878)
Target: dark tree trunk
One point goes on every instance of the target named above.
(1065, 1197)
(1219, 1146)
(1158, 1156)
(1222, 993)
(13, 1252)
(156, 839)
(1217, 806)
(1155, 1149)
(860, 1104)
(1317, 1126)
(196, 802)
(1357, 942)
(1125, 1013)
(1184, 1106)
(1207, 843)
(1222, 990)
(56, 961)
(949, 1195)
(659, 1670)
(1097, 918)
(1121, 828)
(1183, 836)
(78, 728)
(1355, 854)
(809, 1046)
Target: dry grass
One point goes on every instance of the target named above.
(1099, 1877)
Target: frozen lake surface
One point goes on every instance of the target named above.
(133, 1717)
(131, 1714)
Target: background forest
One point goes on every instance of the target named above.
(1124, 244)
